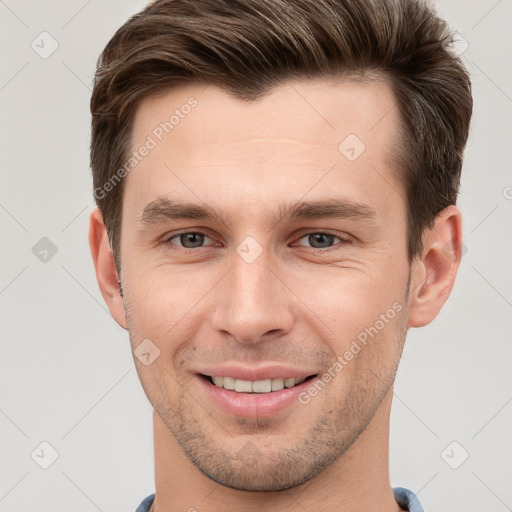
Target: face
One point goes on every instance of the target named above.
(266, 241)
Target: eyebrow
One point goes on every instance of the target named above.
(162, 209)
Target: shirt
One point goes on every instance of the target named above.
(405, 498)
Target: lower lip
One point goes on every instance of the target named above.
(253, 405)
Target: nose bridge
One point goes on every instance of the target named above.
(253, 300)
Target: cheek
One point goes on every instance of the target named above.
(361, 317)
(367, 355)
(348, 300)
(166, 306)
(163, 294)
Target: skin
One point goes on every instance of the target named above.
(301, 302)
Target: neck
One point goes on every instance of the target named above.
(358, 480)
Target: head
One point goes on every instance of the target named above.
(312, 151)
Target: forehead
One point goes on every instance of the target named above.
(317, 110)
(304, 137)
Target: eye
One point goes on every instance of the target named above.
(323, 240)
(188, 239)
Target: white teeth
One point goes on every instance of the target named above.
(288, 383)
(243, 386)
(262, 386)
(228, 383)
(277, 384)
(256, 386)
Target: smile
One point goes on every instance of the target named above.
(256, 386)
(244, 399)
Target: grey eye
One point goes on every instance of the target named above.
(321, 239)
(189, 240)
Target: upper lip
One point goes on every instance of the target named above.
(256, 373)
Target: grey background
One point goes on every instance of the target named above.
(67, 374)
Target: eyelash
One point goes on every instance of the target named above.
(168, 242)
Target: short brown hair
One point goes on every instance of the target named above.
(247, 47)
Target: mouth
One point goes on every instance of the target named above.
(255, 392)
(263, 386)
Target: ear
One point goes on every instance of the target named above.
(434, 273)
(106, 272)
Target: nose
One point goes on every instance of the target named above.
(254, 301)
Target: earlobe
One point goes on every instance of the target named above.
(434, 273)
(104, 264)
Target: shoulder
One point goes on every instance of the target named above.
(407, 500)
(146, 503)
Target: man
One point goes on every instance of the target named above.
(276, 184)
